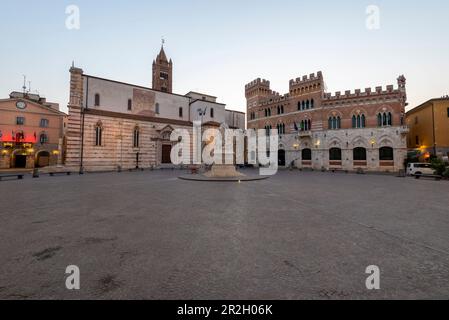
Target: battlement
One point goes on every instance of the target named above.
(359, 93)
(306, 79)
(258, 83)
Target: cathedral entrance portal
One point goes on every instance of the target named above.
(166, 154)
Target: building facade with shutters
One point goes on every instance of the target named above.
(114, 125)
(345, 131)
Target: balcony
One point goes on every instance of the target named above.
(305, 134)
(404, 130)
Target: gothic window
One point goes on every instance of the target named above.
(363, 121)
(385, 119)
(212, 112)
(130, 104)
(299, 105)
(44, 123)
(307, 104)
(180, 112)
(335, 154)
(359, 154)
(386, 154)
(97, 100)
(98, 135)
(306, 154)
(136, 137)
(303, 105)
(354, 122)
(334, 123)
(312, 104)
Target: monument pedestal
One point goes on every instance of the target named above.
(223, 171)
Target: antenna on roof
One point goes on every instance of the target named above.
(24, 84)
(29, 87)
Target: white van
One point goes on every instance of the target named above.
(419, 168)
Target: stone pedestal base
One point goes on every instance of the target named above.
(223, 171)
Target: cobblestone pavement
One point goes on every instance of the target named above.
(148, 235)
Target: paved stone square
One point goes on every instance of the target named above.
(297, 235)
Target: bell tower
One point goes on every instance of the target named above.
(162, 72)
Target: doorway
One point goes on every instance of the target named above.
(20, 161)
(166, 154)
(281, 158)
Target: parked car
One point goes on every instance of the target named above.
(419, 168)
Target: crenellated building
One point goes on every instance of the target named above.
(348, 131)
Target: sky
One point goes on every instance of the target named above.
(219, 46)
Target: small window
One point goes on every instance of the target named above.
(359, 154)
(43, 138)
(306, 154)
(98, 135)
(180, 112)
(97, 100)
(44, 123)
(157, 108)
(136, 138)
(416, 119)
(386, 154)
(20, 121)
(212, 112)
(130, 105)
(335, 154)
(448, 112)
(417, 140)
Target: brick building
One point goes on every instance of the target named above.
(31, 132)
(114, 125)
(351, 130)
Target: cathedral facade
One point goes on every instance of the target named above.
(351, 131)
(118, 126)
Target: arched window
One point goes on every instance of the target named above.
(359, 154)
(363, 121)
(180, 112)
(386, 154)
(157, 108)
(43, 138)
(44, 123)
(97, 100)
(299, 106)
(338, 122)
(329, 124)
(98, 135)
(335, 154)
(385, 119)
(306, 154)
(212, 112)
(130, 104)
(136, 137)
(269, 112)
(307, 104)
(354, 122)
(303, 105)
(282, 109)
(312, 104)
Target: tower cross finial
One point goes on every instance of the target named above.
(163, 41)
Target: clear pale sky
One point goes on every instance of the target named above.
(219, 46)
